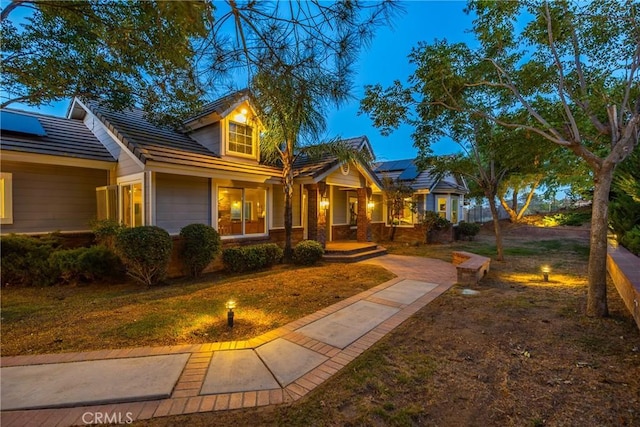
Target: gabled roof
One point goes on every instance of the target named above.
(406, 171)
(63, 137)
(148, 141)
(222, 105)
(304, 166)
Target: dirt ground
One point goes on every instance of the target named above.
(517, 352)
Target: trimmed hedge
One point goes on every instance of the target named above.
(251, 258)
(307, 252)
(201, 245)
(146, 252)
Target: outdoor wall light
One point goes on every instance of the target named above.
(231, 304)
(545, 272)
(324, 203)
(371, 205)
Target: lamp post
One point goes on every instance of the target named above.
(231, 304)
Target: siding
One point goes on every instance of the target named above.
(278, 206)
(339, 209)
(378, 208)
(49, 198)
(431, 202)
(181, 200)
(353, 179)
(126, 164)
(209, 137)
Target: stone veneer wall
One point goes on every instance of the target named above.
(624, 268)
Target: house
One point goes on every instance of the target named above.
(441, 194)
(59, 174)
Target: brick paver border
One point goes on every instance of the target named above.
(185, 398)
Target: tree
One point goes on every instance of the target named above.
(134, 53)
(572, 66)
(396, 194)
(299, 58)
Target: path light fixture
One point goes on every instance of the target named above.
(231, 304)
(545, 272)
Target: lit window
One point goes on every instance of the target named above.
(401, 214)
(131, 204)
(240, 139)
(241, 211)
(6, 198)
(442, 207)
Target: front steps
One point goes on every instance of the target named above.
(347, 252)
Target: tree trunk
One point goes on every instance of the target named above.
(597, 271)
(287, 186)
(534, 186)
(496, 226)
(513, 215)
(514, 200)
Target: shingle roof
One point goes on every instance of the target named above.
(149, 141)
(64, 137)
(221, 105)
(304, 166)
(405, 171)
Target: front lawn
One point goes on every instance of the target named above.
(69, 318)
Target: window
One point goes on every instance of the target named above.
(241, 211)
(240, 139)
(442, 207)
(131, 204)
(353, 210)
(401, 214)
(454, 210)
(6, 198)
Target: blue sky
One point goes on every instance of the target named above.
(384, 61)
(387, 60)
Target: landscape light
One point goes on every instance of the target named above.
(231, 304)
(545, 272)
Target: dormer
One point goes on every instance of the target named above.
(228, 127)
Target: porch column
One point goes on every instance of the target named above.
(362, 234)
(316, 217)
(312, 211)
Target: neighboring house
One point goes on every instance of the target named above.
(443, 195)
(59, 174)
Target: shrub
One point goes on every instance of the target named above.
(251, 258)
(201, 245)
(145, 251)
(273, 254)
(25, 261)
(631, 240)
(86, 264)
(106, 231)
(307, 252)
(468, 230)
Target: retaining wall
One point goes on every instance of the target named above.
(624, 269)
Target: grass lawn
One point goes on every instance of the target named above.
(79, 318)
(520, 352)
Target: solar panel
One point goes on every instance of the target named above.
(410, 173)
(20, 123)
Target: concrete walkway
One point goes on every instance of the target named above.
(118, 386)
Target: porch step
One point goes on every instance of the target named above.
(354, 255)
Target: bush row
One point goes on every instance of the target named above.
(251, 258)
(28, 261)
(143, 253)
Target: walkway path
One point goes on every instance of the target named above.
(281, 366)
